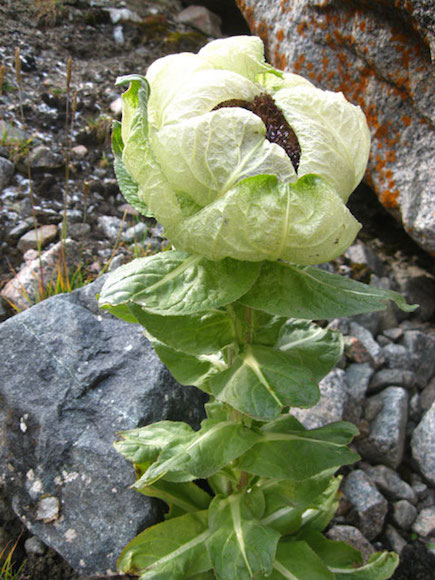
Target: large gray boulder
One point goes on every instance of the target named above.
(72, 377)
(380, 55)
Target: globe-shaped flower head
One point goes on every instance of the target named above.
(237, 159)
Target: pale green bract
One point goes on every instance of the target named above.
(219, 187)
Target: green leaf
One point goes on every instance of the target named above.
(203, 454)
(286, 501)
(380, 566)
(346, 562)
(312, 293)
(188, 369)
(318, 516)
(203, 333)
(311, 346)
(180, 497)
(288, 451)
(240, 546)
(262, 380)
(333, 553)
(297, 561)
(172, 550)
(144, 444)
(177, 283)
(127, 185)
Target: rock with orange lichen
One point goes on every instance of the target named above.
(380, 54)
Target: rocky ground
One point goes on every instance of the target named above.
(56, 166)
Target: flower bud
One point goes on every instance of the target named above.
(237, 159)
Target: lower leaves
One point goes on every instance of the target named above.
(270, 489)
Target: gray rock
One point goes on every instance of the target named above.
(370, 506)
(380, 59)
(418, 287)
(404, 514)
(20, 229)
(393, 333)
(34, 546)
(423, 445)
(366, 338)
(421, 347)
(330, 408)
(78, 230)
(7, 169)
(202, 19)
(427, 396)
(44, 158)
(135, 233)
(359, 253)
(357, 379)
(43, 235)
(353, 537)
(390, 483)
(23, 290)
(386, 440)
(394, 538)
(73, 377)
(396, 356)
(110, 226)
(424, 525)
(388, 377)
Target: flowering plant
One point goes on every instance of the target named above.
(248, 169)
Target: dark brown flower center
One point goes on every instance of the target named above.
(277, 129)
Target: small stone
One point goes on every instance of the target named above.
(43, 158)
(359, 253)
(135, 233)
(79, 151)
(366, 338)
(385, 443)
(427, 396)
(355, 351)
(357, 379)
(78, 231)
(423, 445)
(393, 333)
(116, 107)
(19, 230)
(421, 348)
(352, 536)
(110, 226)
(116, 262)
(48, 509)
(391, 485)
(424, 525)
(22, 290)
(396, 356)
(202, 19)
(404, 514)
(7, 169)
(330, 408)
(128, 209)
(370, 506)
(340, 324)
(389, 377)
(123, 15)
(383, 340)
(34, 546)
(44, 234)
(395, 539)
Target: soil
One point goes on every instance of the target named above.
(48, 106)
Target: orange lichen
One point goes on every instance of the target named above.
(406, 120)
(280, 35)
(389, 198)
(301, 27)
